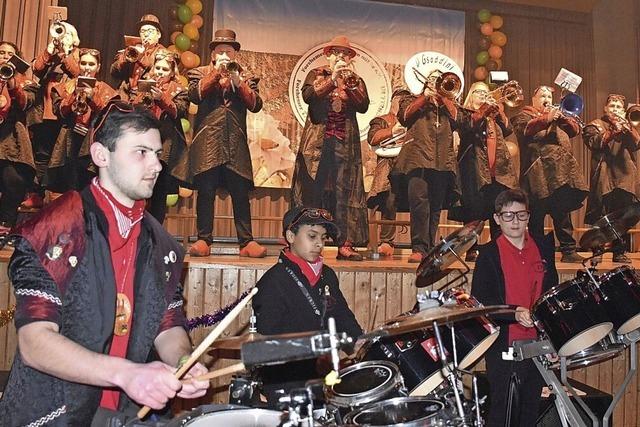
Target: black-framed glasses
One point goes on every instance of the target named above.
(508, 216)
(311, 213)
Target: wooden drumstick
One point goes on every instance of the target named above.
(206, 343)
(218, 373)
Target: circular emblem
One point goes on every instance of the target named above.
(366, 65)
(422, 64)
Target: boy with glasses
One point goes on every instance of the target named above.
(515, 269)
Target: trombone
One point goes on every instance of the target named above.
(510, 94)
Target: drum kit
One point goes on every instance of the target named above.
(410, 371)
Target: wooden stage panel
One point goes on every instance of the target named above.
(213, 282)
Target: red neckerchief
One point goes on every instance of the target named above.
(312, 271)
(123, 232)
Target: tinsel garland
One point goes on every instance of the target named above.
(212, 318)
(6, 316)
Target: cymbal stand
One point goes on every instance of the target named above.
(593, 260)
(459, 275)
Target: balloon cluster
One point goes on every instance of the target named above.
(186, 31)
(492, 42)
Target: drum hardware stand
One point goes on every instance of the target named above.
(459, 275)
(631, 338)
(299, 406)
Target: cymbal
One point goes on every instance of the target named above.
(235, 343)
(433, 266)
(611, 226)
(424, 319)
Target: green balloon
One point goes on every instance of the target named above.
(184, 14)
(481, 57)
(182, 42)
(483, 15)
(185, 125)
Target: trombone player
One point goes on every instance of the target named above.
(613, 140)
(424, 175)
(550, 173)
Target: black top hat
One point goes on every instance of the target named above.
(225, 36)
(150, 20)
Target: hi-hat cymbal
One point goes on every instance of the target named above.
(425, 318)
(235, 343)
(433, 266)
(610, 227)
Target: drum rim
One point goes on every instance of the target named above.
(591, 359)
(368, 396)
(191, 416)
(394, 401)
(562, 351)
(608, 274)
(554, 291)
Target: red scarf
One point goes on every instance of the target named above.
(311, 270)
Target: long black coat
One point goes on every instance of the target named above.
(15, 144)
(613, 164)
(379, 130)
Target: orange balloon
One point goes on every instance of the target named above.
(173, 36)
(495, 52)
(185, 192)
(197, 21)
(173, 48)
(196, 59)
(486, 29)
(187, 60)
(195, 6)
(191, 31)
(498, 38)
(496, 21)
(193, 108)
(480, 73)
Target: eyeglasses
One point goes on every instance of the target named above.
(338, 52)
(121, 106)
(92, 52)
(311, 213)
(169, 56)
(149, 31)
(508, 216)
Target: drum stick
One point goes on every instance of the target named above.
(218, 373)
(206, 343)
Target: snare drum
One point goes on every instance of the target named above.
(572, 315)
(621, 294)
(401, 411)
(607, 348)
(226, 415)
(365, 382)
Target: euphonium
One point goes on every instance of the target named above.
(448, 85)
(633, 116)
(7, 71)
(80, 105)
(510, 94)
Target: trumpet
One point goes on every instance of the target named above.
(133, 53)
(510, 94)
(80, 106)
(57, 31)
(7, 71)
(448, 85)
(228, 68)
(147, 100)
(633, 115)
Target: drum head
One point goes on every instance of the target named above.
(364, 382)
(585, 339)
(591, 356)
(401, 411)
(233, 417)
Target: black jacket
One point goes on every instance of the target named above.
(488, 282)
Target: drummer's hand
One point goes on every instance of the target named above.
(192, 388)
(523, 316)
(151, 384)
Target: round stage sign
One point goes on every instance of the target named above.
(422, 64)
(366, 65)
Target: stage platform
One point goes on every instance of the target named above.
(376, 290)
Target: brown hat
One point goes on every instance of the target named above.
(224, 36)
(150, 20)
(339, 41)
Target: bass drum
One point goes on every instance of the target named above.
(572, 315)
(228, 415)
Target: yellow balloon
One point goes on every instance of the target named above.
(191, 31)
(195, 6)
(185, 192)
(183, 80)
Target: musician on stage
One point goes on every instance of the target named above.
(300, 293)
(219, 154)
(486, 166)
(613, 142)
(135, 62)
(425, 170)
(99, 306)
(76, 105)
(550, 173)
(380, 196)
(17, 167)
(168, 101)
(515, 268)
(328, 171)
(58, 63)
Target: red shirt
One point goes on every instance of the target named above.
(124, 230)
(523, 271)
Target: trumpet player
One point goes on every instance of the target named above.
(219, 152)
(17, 168)
(613, 141)
(328, 169)
(424, 175)
(380, 196)
(168, 101)
(485, 165)
(550, 173)
(134, 63)
(76, 103)
(58, 63)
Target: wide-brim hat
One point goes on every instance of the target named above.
(339, 41)
(224, 36)
(150, 20)
(310, 216)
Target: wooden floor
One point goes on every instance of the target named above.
(376, 290)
